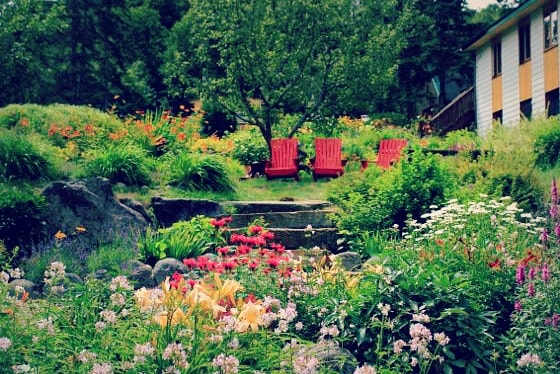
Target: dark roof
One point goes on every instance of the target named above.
(513, 17)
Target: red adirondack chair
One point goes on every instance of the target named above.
(328, 158)
(390, 151)
(283, 161)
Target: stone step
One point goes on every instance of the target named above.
(295, 239)
(252, 207)
(289, 220)
(324, 238)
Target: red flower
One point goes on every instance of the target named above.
(190, 262)
(175, 280)
(267, 235)
(277, 247)
(223, 250)
(250, 298)
(254, 229)
(237, 238)
(253, 265)
(191, 282)
(495, 264)
(243, 249)
(229, 265)
(273, 262)
(530, 257)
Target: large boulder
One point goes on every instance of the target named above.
(168, 211)
(166, 267)
(90, 204)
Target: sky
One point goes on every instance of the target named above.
(479, 4)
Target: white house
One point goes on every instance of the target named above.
(517, 68)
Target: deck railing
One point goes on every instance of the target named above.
(458, 114)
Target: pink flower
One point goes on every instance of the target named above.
(517, 306)
(545, 273)
(520, 274)
(531, 289)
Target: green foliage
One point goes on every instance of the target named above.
(22, 160)
(183, 239)
(547, 144)
(376, 200)
(193, 171)
(109, 257)
(121, 162)
(249, 147)
(21, 215)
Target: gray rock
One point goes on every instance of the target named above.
(34, 289)
(137, 206)
(349, 261)
(73, 278)
(102, 274)
(166, 267)
(168, 211)
(90, 203)
(139, 274)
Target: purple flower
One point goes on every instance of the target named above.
(553, 211)
(545, 273)
(531, 289)
(520, 274)
(554, 192)
(517, 306)
(532, 273)
(544, 236)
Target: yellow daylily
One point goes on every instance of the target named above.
(250, 317)
(164, 318)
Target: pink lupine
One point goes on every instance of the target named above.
(520, 274)
(531, 290)
(545, 273)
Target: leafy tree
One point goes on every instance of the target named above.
(261, 59)
(434, 50)
(29, 50)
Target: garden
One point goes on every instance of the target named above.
(458, 273)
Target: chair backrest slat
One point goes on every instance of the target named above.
(284, 152)
(328, 152)
(390, 151)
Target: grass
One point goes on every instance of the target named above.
(282, 189)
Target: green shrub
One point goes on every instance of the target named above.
(521, 185)
(22, 160)
(249, 147)
(200, 172)
(21, 215)
(547, 144)
(61, 123)
(183, 239)
(119, 162)
(378, 200)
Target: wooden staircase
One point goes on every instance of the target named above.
(295, 224)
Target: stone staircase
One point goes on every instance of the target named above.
(289, 221)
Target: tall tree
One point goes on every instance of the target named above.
(262, 58)
(434, 52)
(30, 53)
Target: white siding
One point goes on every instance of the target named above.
(483, 89)
(510, 77)
(537, 63)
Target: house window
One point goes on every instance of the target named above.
(526, 108)
(524, 42)
(497, 116)
(496, 59)
(550, 17)
(552, 99)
